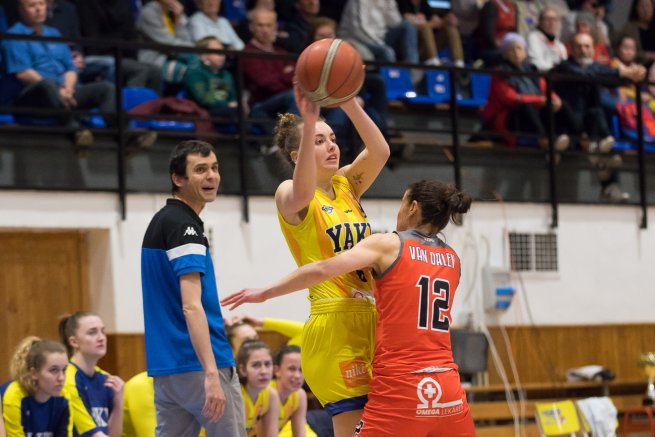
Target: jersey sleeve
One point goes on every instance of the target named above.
(186, 248)
(290, 328)
(11, 410)
(83, 423)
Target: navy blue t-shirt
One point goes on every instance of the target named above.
(174, 245)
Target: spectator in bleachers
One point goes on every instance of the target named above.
(270, 81)
(113, 19)
(587, 24)
(585, 102)
(641, 27)
(209, 84)
(584, 97)
(63, 16)
(595, 14)
(377, 25)
(207, 22)
(164, 22)
(545, 50)
(433, 30)
(518, 103)
(626, 55)
(43, 75)
(497, 18)
(282, 39)
(299, 27)
(468, 17)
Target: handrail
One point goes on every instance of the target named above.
(117, 46)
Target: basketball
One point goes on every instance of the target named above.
(329, 72)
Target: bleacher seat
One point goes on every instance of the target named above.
(400, 87)
(480, 83)
(6, 119)
(134, 96)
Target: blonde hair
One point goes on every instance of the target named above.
(286, 135)
(31, 353)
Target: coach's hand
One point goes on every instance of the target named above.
(214, 397)
(247, 295)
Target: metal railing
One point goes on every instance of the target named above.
(243, 122)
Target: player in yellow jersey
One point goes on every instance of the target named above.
(260, 400)
(320, 216)
(288, 382)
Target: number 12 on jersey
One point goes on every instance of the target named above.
(439, 290)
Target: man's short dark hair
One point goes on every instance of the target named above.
(177, 159)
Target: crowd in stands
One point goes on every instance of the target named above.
(511, 35)
(57, 388)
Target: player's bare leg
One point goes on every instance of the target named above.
(344, 423)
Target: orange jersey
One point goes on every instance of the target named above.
(330, 227)
(414, 298)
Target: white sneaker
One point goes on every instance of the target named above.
(613, 193)
(562, 143)
(435, 62)
(606, 144)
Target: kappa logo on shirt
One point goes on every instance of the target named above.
(190, 231)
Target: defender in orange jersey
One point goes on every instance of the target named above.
(415, 388)
(320, 215)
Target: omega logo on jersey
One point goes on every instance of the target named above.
(429, 393)
(345, 235)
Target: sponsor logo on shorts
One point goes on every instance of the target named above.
(354, 373)
(429, 393)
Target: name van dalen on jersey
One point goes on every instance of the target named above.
(434, 258)
(345, 235)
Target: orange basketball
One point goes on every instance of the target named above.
(330, 71)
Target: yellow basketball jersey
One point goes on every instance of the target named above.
(254, 411)
(330, 227)
(286, 409)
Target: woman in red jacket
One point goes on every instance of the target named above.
(518, 103)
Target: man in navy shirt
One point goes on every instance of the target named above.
(187, 351)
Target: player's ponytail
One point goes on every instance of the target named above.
(439, 202)
(286, 135)
(31, 354)
(68, 328)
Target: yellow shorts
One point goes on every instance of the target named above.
(337, 350)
